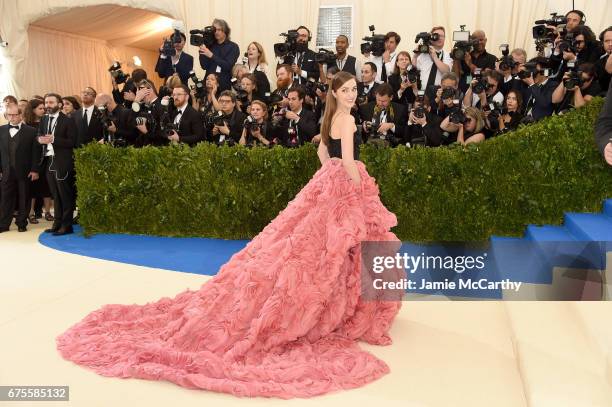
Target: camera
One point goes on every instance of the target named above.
(481, 85)
(463, 44)
(575, 78)
(425, 39)
(167, 126)
(413, 75)
(216, 119)
(206, 36)
(287, 50)
(325, 56)
(457, 115)
(117, 73)
(242, 96)
(553, 20)
(374, 44)
(531, 69)
(198, 85)
(168, 48)
(568, 44)
(419, 110)
(506, 62)
(251, 124)
(448, 93)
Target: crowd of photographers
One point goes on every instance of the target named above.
(427, 97)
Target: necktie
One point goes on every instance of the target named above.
(50, 127)
(85, 118)
(177, 119)
(13, 127)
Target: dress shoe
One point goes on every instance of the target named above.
(63, 231)
(51, 230)
(22, 229)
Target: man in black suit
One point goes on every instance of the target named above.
(181, 62)
(19, 158)
(59, 138)
(231, 131)
(383, 121)
(120, 127)
(87, 119)
(186, 119)
(304, 66)
(603, 128)
(366, 89)
(146, 114)
(299, 125)
(538, 96)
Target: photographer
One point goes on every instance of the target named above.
(299, 125)
(126, 95)
(221, 56)
(256, 130)
(404, 81)
(539, 94)
(386, 62)
(468, 130)
(187, 122)
(582, 85)
(283, 83)
(509, 70)
(436, 63)
(445, 95)
(483, 91)
(383, 121)
(247, 93)
(603, 66)
(230, 131)
(180, 63)
(210, 104)
(344, 62)
(478, 59)
(366, 90)
(304, 65)
(603, 129)
(146, 113)
(511, 116)
(423, 126)
(583, 47)
(117, 120)
(87, 119)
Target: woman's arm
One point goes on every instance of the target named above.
(322, 152)
(347, 129)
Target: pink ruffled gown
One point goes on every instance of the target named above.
(280, 319)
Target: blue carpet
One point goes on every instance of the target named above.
(189, 255)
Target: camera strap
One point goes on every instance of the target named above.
(434, 71)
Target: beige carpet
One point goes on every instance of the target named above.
(445, 353)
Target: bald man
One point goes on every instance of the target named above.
(479, 58)
(120, 127)
(20, 155)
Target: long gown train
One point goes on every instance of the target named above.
(280, 319)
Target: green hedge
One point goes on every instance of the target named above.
(498, 187)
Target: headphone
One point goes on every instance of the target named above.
(309, 34)
(580, 13)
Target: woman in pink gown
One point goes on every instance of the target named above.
(283, 316)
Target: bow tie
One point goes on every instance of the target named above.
(13, 127)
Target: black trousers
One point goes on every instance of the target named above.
(14, 189)
(63, 198)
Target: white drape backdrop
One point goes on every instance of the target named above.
(504, 21)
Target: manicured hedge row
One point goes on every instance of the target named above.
(532, 175)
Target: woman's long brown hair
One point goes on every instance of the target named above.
(330, 104)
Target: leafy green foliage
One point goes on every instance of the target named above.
(532, 175)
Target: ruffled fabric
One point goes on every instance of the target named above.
(280, 319)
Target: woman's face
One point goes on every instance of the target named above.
(252, 51)
(256, 111)
(68, 107)
(40, 110)
(211, 81)
(470, 125)
(511, 102)
(402, 62)
(346, 95)
(247, 85)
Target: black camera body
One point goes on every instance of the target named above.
(168, 48)
(206, 37)
(117, 73)
(425, 39)
(251, 124)
(413, 75)
(575, 78)
(481, 85)
(198, 85)
(462, 48)
(216, 119)
(288, 49)
(374, 44)
(457, 116)
(448, 93)
(568, 44)
(325, 56)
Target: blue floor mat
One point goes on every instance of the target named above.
(190, 255)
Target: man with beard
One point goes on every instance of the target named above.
(59, 137)
(304, 65)
(284, 82)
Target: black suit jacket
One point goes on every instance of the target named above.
(603, 126)
(27, 157)
(541, 99)
(191, 128)
(407, 96)
(308, 64)
(64, 142)
(306, 128)
(88, 133)
(400, 118)
(371, 95)
(184, 65)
